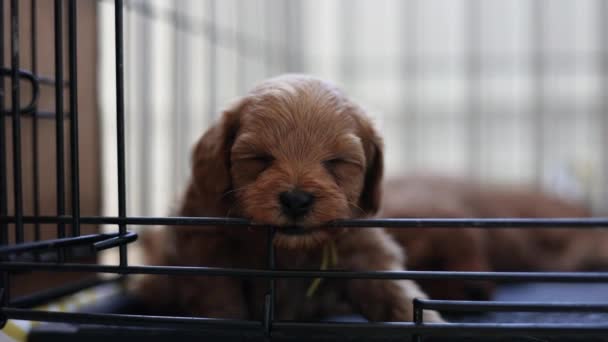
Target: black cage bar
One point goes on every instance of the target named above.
(61, 254)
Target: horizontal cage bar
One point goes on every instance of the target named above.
(44, 296)
(593, 222)
(597, 277)
(497, 306)
(287, 329)
(96, 241)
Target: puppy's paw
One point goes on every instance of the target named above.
(402, 306)
(432, 316)
(390, 300)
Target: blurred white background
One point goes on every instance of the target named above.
(498, 91)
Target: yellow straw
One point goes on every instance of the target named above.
(330, 255)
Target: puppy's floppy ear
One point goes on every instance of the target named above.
(371, 194)
(211, 157)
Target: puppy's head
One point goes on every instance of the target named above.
(293, 153)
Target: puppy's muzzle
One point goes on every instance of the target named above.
(296, 204)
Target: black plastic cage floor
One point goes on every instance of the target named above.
(511, 293)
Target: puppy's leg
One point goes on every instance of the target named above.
(463, 250)
(379, 300)
(440, 249)
(202, 296)
(214, 297)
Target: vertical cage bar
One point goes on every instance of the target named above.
(4, 235)
(3, 156)
(538, 86)
(418, 318)
(270, 296)
(132, 89)
(120, 126)
(74, 160)
(35, 161)
(5, 279)
(59, 138)
(473, 71)
(15, 91)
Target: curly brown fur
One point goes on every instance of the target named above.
(289, 133)
(487, 250)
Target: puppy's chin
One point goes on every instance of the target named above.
(308, 232)
(301, 238)
(304, 236)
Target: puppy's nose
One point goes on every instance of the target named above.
(296, 203)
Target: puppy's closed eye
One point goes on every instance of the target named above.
(341, 168)
(254, 164)
(262, 160)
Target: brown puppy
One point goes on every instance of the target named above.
(294, 152)
(487, 250)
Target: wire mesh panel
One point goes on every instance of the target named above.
(282, 47)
